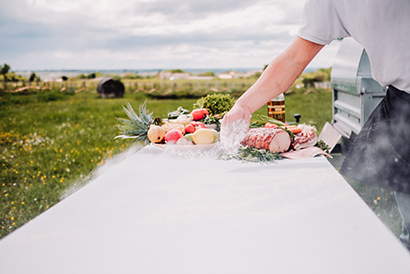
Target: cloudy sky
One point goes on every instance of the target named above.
(148, 34)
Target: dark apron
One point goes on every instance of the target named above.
(380, 154)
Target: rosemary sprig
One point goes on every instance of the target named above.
(250, 154)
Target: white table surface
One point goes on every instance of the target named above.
(157, 213)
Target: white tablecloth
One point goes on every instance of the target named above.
(157, 213)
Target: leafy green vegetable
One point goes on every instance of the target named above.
(175, 114)
(323, 146)
(215, 103)
(250, 154)
(209, 120)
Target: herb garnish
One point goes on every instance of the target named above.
(250, 154)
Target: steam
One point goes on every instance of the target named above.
(231, 136)
(100, 170)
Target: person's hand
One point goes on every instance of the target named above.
(236, 114)
(234, 126)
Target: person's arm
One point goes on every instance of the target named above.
(276, 79)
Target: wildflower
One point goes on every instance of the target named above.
(12, 218)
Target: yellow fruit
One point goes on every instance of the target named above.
(156, 134)
(203, 136)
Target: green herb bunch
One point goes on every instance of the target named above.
(215, 103)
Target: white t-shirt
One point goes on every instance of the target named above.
(382, 27)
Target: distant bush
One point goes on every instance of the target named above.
(207, 73)
(133, 76)
(88, 76)
(321, 75)
(175, 70)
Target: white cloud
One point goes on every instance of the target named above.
(138, 34)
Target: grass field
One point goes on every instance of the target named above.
(51, 142)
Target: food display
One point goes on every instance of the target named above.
(181, 127)
(267, 139)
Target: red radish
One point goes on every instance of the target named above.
(173, 136)
(199, 114)
(193, 126)
(270, 125)
(190, 128)
(198, 125)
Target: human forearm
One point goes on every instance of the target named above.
(280, 74)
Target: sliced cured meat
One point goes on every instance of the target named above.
(303, 140)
